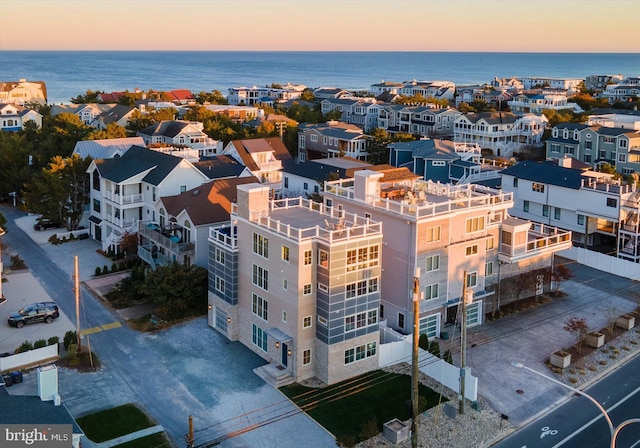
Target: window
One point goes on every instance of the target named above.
(96, 180)
(471, 250)
(475, 224)
(557, 212)
(490, 244)
(284, 316)
(525, 206)
(323, 258)
(314, 138)
(183, 188)
(261, 245)
(306, 322)
(285, 253)
(623, 144)
(307, 257)
(285, 284)
(515, 182)
(554, 148)
(362, 258)
(305, 186)
(545, 210)
(96, 205)
(306, 357)
(259, 337)
(438, 163)
(432, 263)
(322, 287)
(349, 323)
(537, 187)
(322, 321)
(472, 279)
(431, 292)
(400, 320)
(488, 269)
(612, 202)
(351, 291)
(219, 255)
(622, 158)
(302, 156)
(580, 220)
(433, 234)
(306, 289)
(260, 307)
(361, 352)
(260, 277)
(286, 182)
(220, 284)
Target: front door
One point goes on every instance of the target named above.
(452, 313)
(285, 349)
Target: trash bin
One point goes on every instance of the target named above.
(8, 381)
(16, 377)
(444, 335)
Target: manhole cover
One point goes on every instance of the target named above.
(520, 391)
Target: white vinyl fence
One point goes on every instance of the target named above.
(602, 262)
(32, 358)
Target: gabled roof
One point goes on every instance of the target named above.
(116, 113)
(256, 145)
(572, 126)
(165, 128)
(547, 172)
(220, 166)
(493, 117)
(320, 169)
(428, 149)
(209, 203)
(135, 161)
(335, 129)
(616, 131)
(106, 148)
(30, 410)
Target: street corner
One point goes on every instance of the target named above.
(22, 289)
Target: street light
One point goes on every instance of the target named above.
(615, 430)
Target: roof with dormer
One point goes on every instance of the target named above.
(247, 147)
(138, 160)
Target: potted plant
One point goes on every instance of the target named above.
(626, 321)
(560, 358)
(594, 339)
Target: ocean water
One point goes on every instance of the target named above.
(70, 73)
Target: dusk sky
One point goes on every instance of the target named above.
(332, 25)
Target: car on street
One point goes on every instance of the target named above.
(45, 223)
(36, 312)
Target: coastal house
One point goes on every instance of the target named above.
(331, 139)
(308, 178)
(119, 115)
(86, 112)
(445, 230)
(263, 157)
(330, 93)
(594, 145)
(13, 117)
(298, 283)
(251, 96)
(598, 83)
(601, 212)
(106, 148)
(502, 132)
(238, 114)
(181, 230)
(536, 103)
(615, 119)
(362, 112)
(492, 95)
(180, 134)
(125, 189)
(569, 85)
(626, 90)
(23, 92)
(385, 87)
(441, 90)
(424, 121)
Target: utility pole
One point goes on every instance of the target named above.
(190, 437)
(280, 128)
(463, 342)
(416, 372)
(77, 291)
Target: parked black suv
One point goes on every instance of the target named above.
(45, 223)
(36, 312)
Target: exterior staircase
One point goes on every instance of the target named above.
(274, 374)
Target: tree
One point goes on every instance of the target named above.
(578, 328)
(213, 97)
(89, 97)
(308, 95)
(129, 244)
(113, 130)
(60, 191)
(14, 162)
(180, 290)
(559, 274)
(378, 146)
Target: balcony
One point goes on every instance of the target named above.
(123, 199)
(224, 235)
(164, 244)
(120, 222)
(530, 240)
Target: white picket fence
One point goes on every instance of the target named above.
(32, 358)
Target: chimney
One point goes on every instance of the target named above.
(48, 384)
(253, 198)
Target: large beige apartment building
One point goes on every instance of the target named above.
(298, 283)
(445, 230)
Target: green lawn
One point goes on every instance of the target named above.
(115, 422)
(345, 408)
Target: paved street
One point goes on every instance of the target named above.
(189, 369)
(579, 423)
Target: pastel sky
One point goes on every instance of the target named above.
(332, 25)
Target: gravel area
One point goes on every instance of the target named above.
(476, 428)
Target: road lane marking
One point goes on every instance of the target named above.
(589, 423)
(98, 329)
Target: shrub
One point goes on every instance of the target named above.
(447, 356)
(25, 347)
(114, 267)
(423, 342)
(70, 337)
(105, 269)
(98, 271)
(53, 239)
(53, 340)
(369, 429)
(17, 262)
(434, 348)
(40, 343)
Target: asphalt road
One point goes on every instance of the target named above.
(579, 423)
